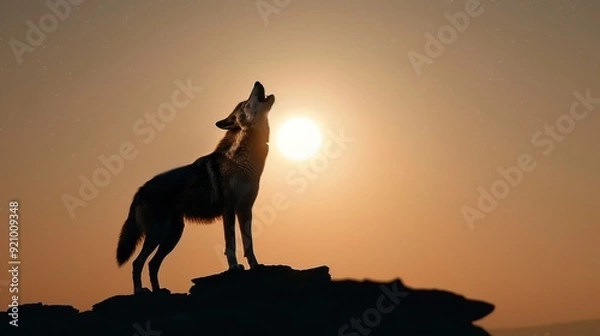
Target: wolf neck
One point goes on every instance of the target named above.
(246, 142)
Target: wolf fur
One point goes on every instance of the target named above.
(223, 184)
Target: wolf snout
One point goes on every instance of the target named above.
(258, 92)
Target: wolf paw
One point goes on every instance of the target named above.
(238, 267)
(142, 290)
(162, 291)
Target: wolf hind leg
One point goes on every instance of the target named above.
(167, 244)
(151, 241)
(150, 244)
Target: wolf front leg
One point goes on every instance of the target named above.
(229, 229)
(245, 221)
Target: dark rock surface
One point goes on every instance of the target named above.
(270, 300)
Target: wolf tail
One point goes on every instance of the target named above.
(130, 235)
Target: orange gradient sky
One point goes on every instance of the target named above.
(386, 201)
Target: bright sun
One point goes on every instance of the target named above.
(299, 138)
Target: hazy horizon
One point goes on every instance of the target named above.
(414, 133)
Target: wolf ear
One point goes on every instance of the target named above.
(225, 124)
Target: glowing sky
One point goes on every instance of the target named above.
(405, 149)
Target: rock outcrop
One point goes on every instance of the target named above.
(270, 300)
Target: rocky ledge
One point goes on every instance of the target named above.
(269, 300)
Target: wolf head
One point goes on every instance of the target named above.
(249, 112)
